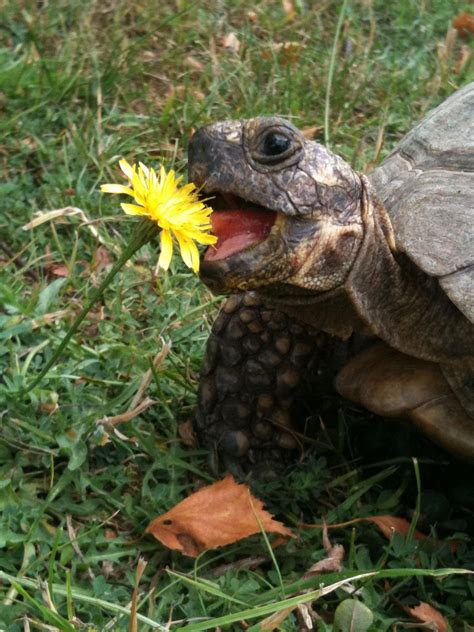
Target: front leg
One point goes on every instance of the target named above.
(256, 358)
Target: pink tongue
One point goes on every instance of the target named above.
(237, 229)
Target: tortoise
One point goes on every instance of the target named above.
(377, 270)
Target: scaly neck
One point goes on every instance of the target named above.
(397, 301)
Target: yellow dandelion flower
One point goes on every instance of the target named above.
(177, 210)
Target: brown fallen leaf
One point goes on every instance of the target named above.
(186, 433)
(387, 524)
(49, 319)
(231, 42)
(464, 24)
(287, 52)
(289, 9)
(214, 516)
(330, 564)
(310, 132)
(102, 258)
(425, 613)
(110, 422)
(194, 63)
(290, 53)
(252, 16)
(463, 58)
(59, 270)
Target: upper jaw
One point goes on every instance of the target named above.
(217, 165)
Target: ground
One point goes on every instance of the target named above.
(81, 85)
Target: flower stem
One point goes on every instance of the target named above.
(144, 232)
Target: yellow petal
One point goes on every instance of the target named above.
(194, 256)
(144, 169)
(204, 238)
(189, 251)
(133, 209)
(166, 250)
(126, 169)
(116, 188)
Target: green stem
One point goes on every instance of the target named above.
(332, 64)
(144, 232)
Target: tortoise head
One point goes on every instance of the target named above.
(287, 212)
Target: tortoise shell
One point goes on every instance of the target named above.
(427, 187)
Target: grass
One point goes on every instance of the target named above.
(81, 85)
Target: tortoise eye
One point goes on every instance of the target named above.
(275, 144)
(272, 144)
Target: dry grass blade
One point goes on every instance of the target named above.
(133, 627)
(68, 211)
(331, 563)
(49, 319)
(73, 537)
(148, 376)
(128, 415)
(274, 621)
(46, 595)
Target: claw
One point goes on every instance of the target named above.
(233, 466)
(235, 443)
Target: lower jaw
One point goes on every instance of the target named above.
(257, 266)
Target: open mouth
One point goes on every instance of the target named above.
(237, 224)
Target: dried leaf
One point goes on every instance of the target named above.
(287, 52)
(110, 422)
(148, 376)
(310, 132)
(101, 258)
(252, 16)
(214, 516)
(48, 319)
(59, 270)
(389, 525)
(49, 407)
(231, 42)
(194, 63)
(186, 433)
(330, 564)
(464, 24)
(289, 9)
(274, 621)
(427, 614)
(290, 53)
(463, 58)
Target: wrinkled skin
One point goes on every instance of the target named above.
(316, 195)
(325, 266)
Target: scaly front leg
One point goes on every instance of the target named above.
(256, 358)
